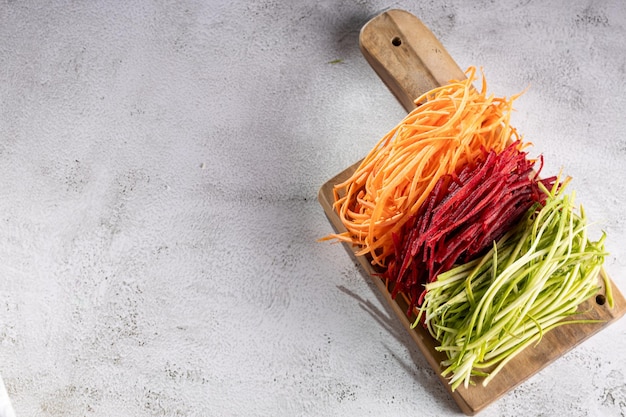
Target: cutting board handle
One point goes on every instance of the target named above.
(406, 56)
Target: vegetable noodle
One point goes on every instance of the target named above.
(452, 126)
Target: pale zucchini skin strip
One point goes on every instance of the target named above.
(487, 311)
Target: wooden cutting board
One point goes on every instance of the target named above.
(410, 61)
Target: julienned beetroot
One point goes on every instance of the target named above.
(462, 217)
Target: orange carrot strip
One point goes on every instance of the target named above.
(447, 130)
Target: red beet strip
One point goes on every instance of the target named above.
(462, 217)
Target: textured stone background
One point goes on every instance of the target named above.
(160, 163)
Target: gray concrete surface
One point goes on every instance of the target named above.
(158, 217)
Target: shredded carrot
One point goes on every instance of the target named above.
(446, 131)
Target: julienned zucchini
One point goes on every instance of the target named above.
(486, 311)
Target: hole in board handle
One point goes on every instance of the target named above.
(396, 41)
(600, 299)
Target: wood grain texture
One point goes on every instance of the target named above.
(406, 55)
(417, 65)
